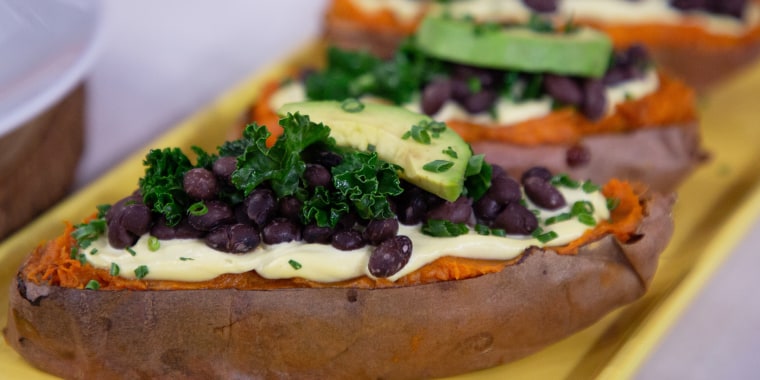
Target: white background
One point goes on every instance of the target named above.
(163, 60)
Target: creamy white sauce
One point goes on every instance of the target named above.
(507, 112)
(608, 11)
(191, 260)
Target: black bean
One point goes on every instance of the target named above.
(459, 211)
(325, 158)
(435, 95)
(317, 175)
(281, 230)
(619, 74)
(481, 101)
(498, 171)
(487, 208)
(183, 230)
(594, 99)
(118, 207)
(127, 219)
(313, 233)
(390, 256)
(564, 89)
(636, 55)
(733, 8)
(261, 206)
(380, 229)
(217, 213)
(543, 193)
(223, 167)
(347, 240)
(537, 171)
(290, 207)
(688, 4)
(516, 219)
(136, 218)
(541, 6)
(233, 238)
(200, 183)
(504, 189)
(577, 155)
(119, 237)
(486, 78)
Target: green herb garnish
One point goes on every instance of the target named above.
(94, 251)
(450, 152)
(161, 186)
(153, 244)
(444, 228)
(295, 264)
(92, 285)
(186, 259)
(438, 166)
(131, 251)
(587, 219)
(115, 269)
(352, 105)
(141, 271)
(482, 229)
(197, 209)
(612, 203)
(558, 218)
(565, 180)
(590, 187)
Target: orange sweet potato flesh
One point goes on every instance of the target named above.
(701, 58)
(427, 330)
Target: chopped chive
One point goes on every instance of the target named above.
(564, 180)
(141, 271)
(498, 232)
(558, 218)
(153, 244)
(438, 166)
(474, 85)
(92, 285)
(115, 269)
(582, 207)
(82, 258)
(612, 203)
(186, 258)
(450, 152)
(131, 251)
(94, 251)
(482, 229)
(197, 209)
(590, 187)
(352, 105)
(587, 219)
(74, 252)
(371, 148)
(547, 237)
(295, 264)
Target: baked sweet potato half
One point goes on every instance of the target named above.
(701, 42)
(483, 271)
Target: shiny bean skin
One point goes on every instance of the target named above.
(223, 167)
(543, 194)
(390, 256)
(487, 208)
(313, 233)
(577, 155)
(119, 237)
(317, 175)
(290, 207)
(564, 89)
(504, 189)
(434, 96)
(233, 238)
(541, 6)
(183, 230)
(459, 211)
(594, 99)
(127, 219)
(261, 206)
(480, 102)
(218, 213)
(516, 219)
(347, 240)
(200, 183)
(281, 230)
(537, 171)
(378, 230)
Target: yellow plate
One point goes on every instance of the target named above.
(716, 207)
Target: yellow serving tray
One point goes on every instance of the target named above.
(716, 207)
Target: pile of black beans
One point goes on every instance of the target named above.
(262, 218)
(478, 89)
(733, 8)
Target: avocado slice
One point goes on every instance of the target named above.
(582, 52)
(437, 166)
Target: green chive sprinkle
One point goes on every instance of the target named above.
(92, 285)
(94, 251)
(352, 105)
(438, 166)
(153, 244)
(590, 187)
(482, 229)
(197, 209)
(115, 269)
(587, 219)
(612, 203)
(186, 258)
(450, 152)
(141, 271)
(295, 264)
(547, 237)
(131, 251)
(558, 218)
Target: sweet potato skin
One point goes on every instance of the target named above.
(659, 157)
(432, 330)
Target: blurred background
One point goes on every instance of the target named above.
(159, 62)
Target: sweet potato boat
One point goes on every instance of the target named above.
(688, 49)
(482, 272)
(421, 331)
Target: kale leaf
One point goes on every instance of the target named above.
(161, 186)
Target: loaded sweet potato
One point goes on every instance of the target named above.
(703, 42)
(390, 253)
(559, 97)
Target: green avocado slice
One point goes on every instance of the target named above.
(436, 163)
(582, 52)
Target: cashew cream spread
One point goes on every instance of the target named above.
(608, 11)
(191, 260)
